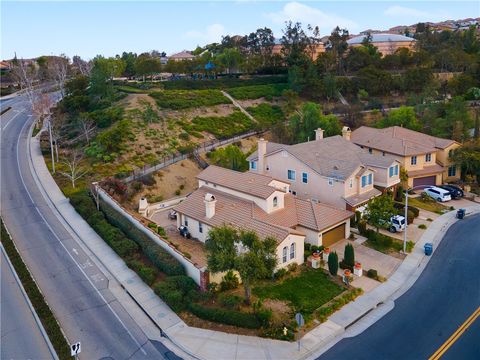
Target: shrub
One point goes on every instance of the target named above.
(184, 99)
(266, 114)
(221, 83)
(229, 281)
(258, 91)
(177, 192)
(229, 317)
(307, 246)
(223, 126)
(292, 267)
(349, 255)
(231, 302)
(147, 274)
(362, 227)
(162, 260)
(280, 274)
(184, 136)
(372, 273)
(161, 231)
(152, 226)
(176, 291)
(422, 226)
(333, 263)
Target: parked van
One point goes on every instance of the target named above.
(438, 194)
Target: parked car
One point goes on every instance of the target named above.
(184, 232)
(395, 224)
(172, 215)
(438, 194)
(455, 191)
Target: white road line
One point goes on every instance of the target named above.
(9, 121)
(70, 255)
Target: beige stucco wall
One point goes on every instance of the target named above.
(290, 239)
(382, 176)
(193, 227)
(444, 160)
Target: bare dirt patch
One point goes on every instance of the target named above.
(135, 101)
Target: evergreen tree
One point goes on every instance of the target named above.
(333, 263)
(349, 255)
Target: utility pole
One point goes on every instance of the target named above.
(51, 145)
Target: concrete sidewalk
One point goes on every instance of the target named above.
(207, 344)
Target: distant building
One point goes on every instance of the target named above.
(387, 44)
(183, 55)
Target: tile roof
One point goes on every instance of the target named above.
(398, 140)
(245, 214)
(359, 199)
(182, 54)
(428, 170)
(376, 38)
(245, 182)
(333, 156)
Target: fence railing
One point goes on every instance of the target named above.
(203, 147)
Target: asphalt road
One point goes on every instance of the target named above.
(444, 296)
(21, 335)
(76, 290)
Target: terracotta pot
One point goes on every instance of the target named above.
(358, 265)
(326, 250)
(347, 272)
(316, 255)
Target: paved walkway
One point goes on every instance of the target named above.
(207, 344)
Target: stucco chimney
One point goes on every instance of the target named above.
(346, 133)
(262, 150)
(210, 202)
(319, 134)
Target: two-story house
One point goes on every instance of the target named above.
(329, 170)
(263, 204)
(427, 159)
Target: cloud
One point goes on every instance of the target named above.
(212, 33)
(414, 14)
(297, 12)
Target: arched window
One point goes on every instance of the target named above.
(275, 201)
(285, 254)
(292, 251)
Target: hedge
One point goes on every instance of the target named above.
(222, 83)
(177, 291)
(326, 310)
(183, 99)
(42, 309)
(229, 317)
(222, 126)
(258, 91)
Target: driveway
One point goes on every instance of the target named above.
(369, 258)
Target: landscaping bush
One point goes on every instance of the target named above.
(266, 114)
(229, 317)
(165, 262)
(333, 263)
(161, 231)
(146, 273)
(231, 302)
(362, 227)
(292, 267)
(372, 273)
(184, 99)
(325, 311)
(349, 256)
(307, 246)
(229, 281)
(221, 83)
(280, 274)
(258, 91)
(422, 226)
(223, 126)
(176, 291)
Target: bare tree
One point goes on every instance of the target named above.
(26, 73)
(74, 169)
(58, 66)
(82, 66)
(88, 126)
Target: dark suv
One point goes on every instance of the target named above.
(455, 191)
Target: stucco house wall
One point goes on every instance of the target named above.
(298, 241)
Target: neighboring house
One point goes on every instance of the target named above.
(387, 44)
(426, 158)
(262, 204)
(183, 55)
(329, 170)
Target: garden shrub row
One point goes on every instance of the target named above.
(328, 309)
(229, 317)
(258, 91)
(222, 126)
(42, 309)
(222, 83)
(381, 242)
(184, 99)
(177, 291)
(266, 114)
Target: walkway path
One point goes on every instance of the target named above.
(237, 104)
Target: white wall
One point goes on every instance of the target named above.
(289, 240)
(312, 237)
(193, 228)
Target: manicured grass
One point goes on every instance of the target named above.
(184, 99)
(305, 292)
(222, 126)
(257, 91)
(266, 114)
(42, 309)
(429, 205)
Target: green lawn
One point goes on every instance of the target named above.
(305, 292)
(433, 206)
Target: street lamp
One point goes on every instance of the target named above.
(406, 215)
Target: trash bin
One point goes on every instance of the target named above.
(460, 213)
(428, 249)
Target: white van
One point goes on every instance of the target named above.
(438, 194)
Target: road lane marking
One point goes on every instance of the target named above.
(9, 121)
(455, 336)
(61, 243)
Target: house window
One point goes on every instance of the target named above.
(186, 221)
(450, 153)
(369, 150)
(428, 157)
(351, 183)
(275, 201)
(291, 175)
(391, 171)
(383, 153)
(200, 228)
(413, 160)
(253, 165)
(452, 170)
(396, 169)
(305, 178)
(284, 257)
(364, 181)
(330, 181)
(292, 251)
(370, 177)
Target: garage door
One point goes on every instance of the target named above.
(424, 181)
(332, 236)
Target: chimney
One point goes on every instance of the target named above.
(209, 205)
(346, 133)
(262, 150)
(319, 134)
